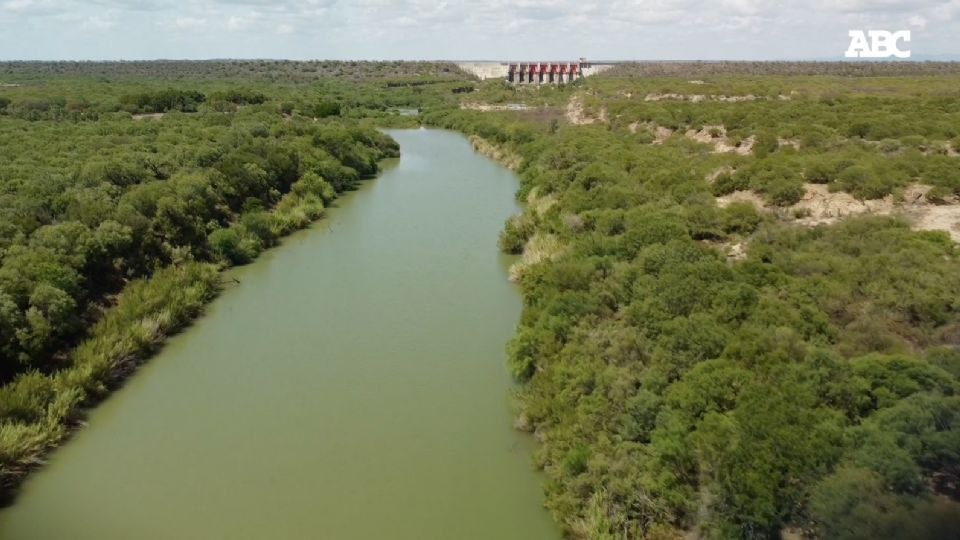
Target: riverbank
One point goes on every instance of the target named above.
(48, 408)
(358, 371)
(626, 336)
(51, 407)
(495, 152)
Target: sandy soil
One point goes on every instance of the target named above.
(717, 136)
(927, 216)
(577, 116)
(660, 133)
(149, 116)
(819, 206)
(697, 98)
(487, 107)
(939, 218)
(712, 176)
(734, 251)
(742, 196)
(789, 142)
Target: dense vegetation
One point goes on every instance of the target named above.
(808, 385)
(712, 68)
(273, 70)
(109, 223)
(858, 138)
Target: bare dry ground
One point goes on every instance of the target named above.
(697, 98)
(717, 137)
(488, 107)
(149, 116)
(576, 115)
(660, 133)
(820, 206)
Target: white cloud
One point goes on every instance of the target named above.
(877, 6)
(18, 5)
(99, 22)
(135, 5)
(946, 10)
(33, 7)
(469, 28)
(190, 23)
(242, 22)
(746, 7)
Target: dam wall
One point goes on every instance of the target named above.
(546, 72)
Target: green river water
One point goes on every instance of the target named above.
(351, 386)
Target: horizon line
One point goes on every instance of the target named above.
(947, 57)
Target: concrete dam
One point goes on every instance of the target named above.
(546, 72)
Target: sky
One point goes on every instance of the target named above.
(465, 29)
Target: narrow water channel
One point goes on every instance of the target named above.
(351, 387)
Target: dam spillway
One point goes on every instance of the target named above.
(539, 72)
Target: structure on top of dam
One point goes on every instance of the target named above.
(543, 72)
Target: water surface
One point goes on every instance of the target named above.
(352, 386)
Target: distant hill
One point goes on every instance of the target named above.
(855, 68)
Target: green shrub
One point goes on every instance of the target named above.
(576, 460)
(819, 172)
(516, 232)
(890, 146)
(740, 218)
(259, 224)
(784, 192)
(26, 398)
(764, 144)
(239, 96)
(868, 183)
(312, 184)
(727, 183)
(322, 109)
(234, 246)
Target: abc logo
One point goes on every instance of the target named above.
(882, 44)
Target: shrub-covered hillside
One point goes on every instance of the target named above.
(689, 367)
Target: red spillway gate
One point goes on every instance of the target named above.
(543, 72)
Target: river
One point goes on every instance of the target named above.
(351, 386)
